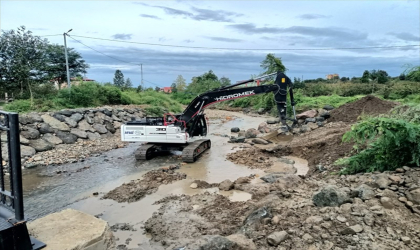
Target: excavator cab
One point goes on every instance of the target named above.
(200, 128)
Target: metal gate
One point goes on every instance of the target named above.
(13, 231)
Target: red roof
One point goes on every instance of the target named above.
(166, 89)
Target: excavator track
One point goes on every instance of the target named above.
(145, 152)
(195, 149)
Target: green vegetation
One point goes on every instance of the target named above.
(387, 143)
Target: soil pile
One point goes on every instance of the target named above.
(253, 158)
(369, 105)
(135, 190)
(367, 211)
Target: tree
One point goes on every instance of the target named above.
(119, 79)
(272, 64)
(139, 89)
(224, 81)
(203, 83)
(157, 89)
(128, 84)
(413, 73)
(365, 77)
(180, 83)
(380, 75)
(343, 79)
(57, 63)
(402, 77)
(174, 88)
(23, 61)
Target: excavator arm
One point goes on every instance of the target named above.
(235, 91)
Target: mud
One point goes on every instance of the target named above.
(135, 190)
(368, 105)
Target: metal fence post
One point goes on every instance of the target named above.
(17, 190)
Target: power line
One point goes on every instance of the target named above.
(103, 53)
(214, 48)
(152, 83)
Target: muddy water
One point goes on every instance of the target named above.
(53, 188)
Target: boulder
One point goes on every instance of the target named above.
(273, 120)
(117, 124)
(262, 127)
(235, 130)
(242, 241)
(107, 112)
(226, 185)
(72, 123)
(66, 137)
(251, 133)
(330, 196)
(328, 107)
(26, 151)
(320, 119)
(76, 117)
(52, 139)
(66, 112)
(79, 133)
(23, 140)
(41, 145)
(261, 111)
(310, 120)
(58, 117)
(93, 136)
(413, 195)
(312, 126)
(30, 118)
(363, 192)
(219, 243)
(259, 141)
(325, 115)
(88, 119)
(115, 118)
(30, 133)
(307, 114)
(54, 123)
(352, 230)
(305, 128)
(275, 238)
(109, 126)
(45, 128)
(101, 129)
(83, 125)
(381, 181)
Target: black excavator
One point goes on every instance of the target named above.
(186, 132)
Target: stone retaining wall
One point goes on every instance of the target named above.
(41, 132)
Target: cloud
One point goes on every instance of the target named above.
(122, 36)
(405, 36)
(188, 41)
(150, 16)
(201, 14)
(224, 39)
(330, 32)
(312, 16)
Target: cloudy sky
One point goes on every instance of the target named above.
(188, 38)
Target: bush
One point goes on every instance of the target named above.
(110, 95)
(390, 143)
(19, 106)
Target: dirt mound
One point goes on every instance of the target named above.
(253, 158)
(369, 105)
(135, 190)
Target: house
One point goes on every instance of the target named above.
(332, 76)
(166, 89)
(73, 81)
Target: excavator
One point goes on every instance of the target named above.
(185, 132)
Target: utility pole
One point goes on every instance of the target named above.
(67, 60)
(142, 84)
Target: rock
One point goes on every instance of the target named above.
(305, 128)
(45, 128)
(273, 120)
(259, 141)
(402, 199)
(107, 112)
(66, 112)
(226, 185)
(239, 139)
(84, 125)
(88, 119)
(341, 218)
(413, 195)
(352, 230)
(375, 208)
(100, 128)
(321, 112)
(58, 117)
(307, 114)
(52, 139)
(41, 145)
(26, 151)
(310, 120)
(23, 140)
(275, 220)
(312, 126)
(30, 133)
(387, 203)
(406, 168)
(79, 133)
(76, 117)
(54, 123)
(314, 220)
(381, 181)
(194, 185)
(242, 180)
(72, 123)
(276, 238)
(116, 124)
(66, 137)
(242, 241)
(262, 127)
(219, 243)
(406, 240)
(325, 115)
(109, 127)
(399, 170)
(395, 179)
(261, 111)
(363, 192)
(328, 107)
(235, 130)
(320, 119)
(93, 136)
(308, 238)
(330, 196)
(251, 133)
